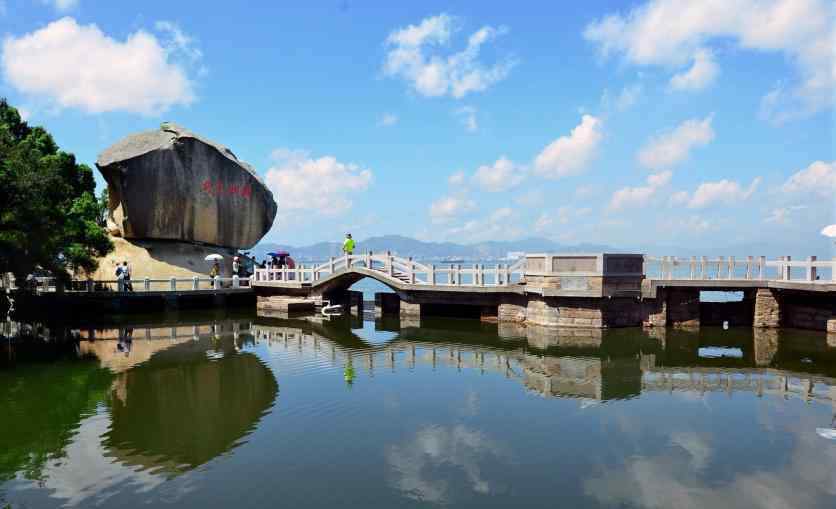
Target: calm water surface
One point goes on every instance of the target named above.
(242, 411)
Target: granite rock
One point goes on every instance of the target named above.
(172, 184)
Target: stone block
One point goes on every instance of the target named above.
(767, 308)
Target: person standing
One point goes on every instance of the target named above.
(236, 267)
(126, 276)
(216, 270)
(348, 244)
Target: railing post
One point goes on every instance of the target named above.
(458, 274)
(89, 285)
(480, 275)
(731, 267)
(368, 259)
(120, 285)
(811, 270)
(703, 267)
(748, 267)
(761, 267)
(720, 260)
(147, 284)
(216, 283)
(173, 283)
(235, 282)
(833, 269)
(331, 265)
(507, 275)
(431, 275)
(195, 283)
(787, 268)
(411, 271)
(391, 263)
(693, 267)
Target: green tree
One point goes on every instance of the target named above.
(49, 214)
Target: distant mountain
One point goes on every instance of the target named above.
(405, 246)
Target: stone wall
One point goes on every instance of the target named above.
(512, 309)
(622, 312)
(736, 313)
(803, 316)
(386, 304)
(683, 307)
(410, 309)
(655, 311)
(767, 308)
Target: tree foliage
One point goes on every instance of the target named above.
(49, 214)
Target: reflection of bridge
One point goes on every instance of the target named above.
(575, 365)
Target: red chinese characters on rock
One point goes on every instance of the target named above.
(218, 189)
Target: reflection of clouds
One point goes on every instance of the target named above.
(673, 479)
(696, 445)
(421, 468)
(86, 475)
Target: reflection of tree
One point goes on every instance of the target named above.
(41, 407)
(182, 409)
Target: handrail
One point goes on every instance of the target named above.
(49, 284)
(398, 270)
(735, 269)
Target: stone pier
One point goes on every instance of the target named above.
(767, 308)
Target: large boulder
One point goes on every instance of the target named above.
(173, 184)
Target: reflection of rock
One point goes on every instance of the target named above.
(430, 467)
(172, 184)
(184, 407)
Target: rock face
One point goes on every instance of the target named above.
(172, 184)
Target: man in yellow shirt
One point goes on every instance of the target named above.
(348, 244)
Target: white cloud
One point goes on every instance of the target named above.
(680, 198)
(780, 215)
(818, 178)
(721, 191)
(700, 75)
(410, 56)
(632, 196)
(24, 113)
(317, 186)
(543, 223)
(569, 155)
(456, 179)
(562, 216)
(447, 208)
(671, 148)
(531, 198)
(387, 120)
(672, 32)
(467, 115)
(81, 67)
(500, 176)
(177, 41)
(625, 99)
(61, 5)
(501, 223)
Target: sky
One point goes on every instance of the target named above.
(633, 124)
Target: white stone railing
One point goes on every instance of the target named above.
(728, 268)
(172, 284)
(399, 270)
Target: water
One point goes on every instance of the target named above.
(208, 411)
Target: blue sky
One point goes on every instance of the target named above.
(634, 124)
